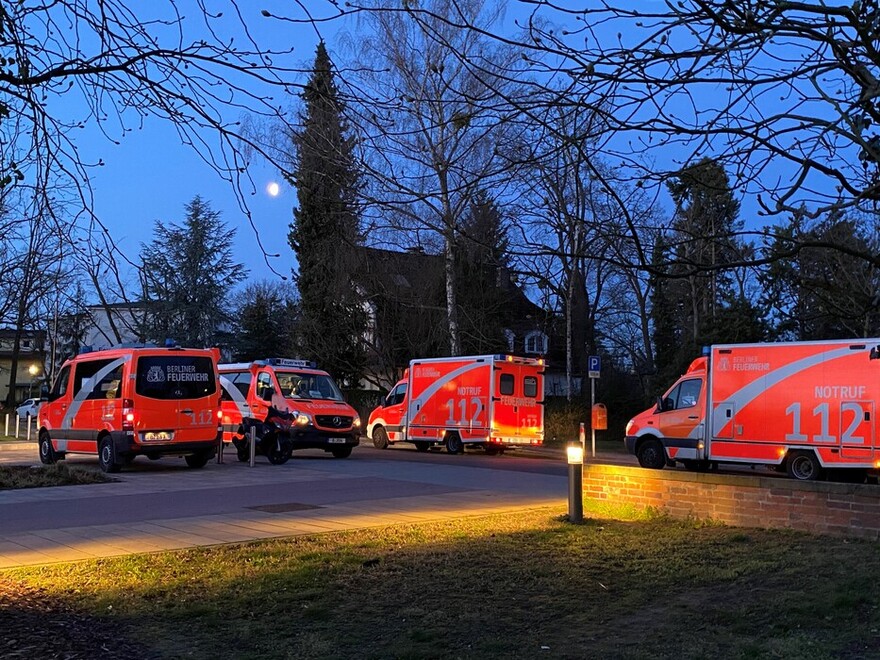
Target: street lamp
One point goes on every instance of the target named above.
(33, 370)
(575, 454)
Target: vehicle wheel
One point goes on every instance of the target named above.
(196, 461)
(277, 456)
(47, 452)
(803, 466)
(243, 455)
(697, 466)
(341, 452)
(380, 438)
(154, 457)
(107, 455)
(422, 446)
(651, 455)
(454, 445)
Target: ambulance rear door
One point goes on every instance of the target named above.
(517, 410)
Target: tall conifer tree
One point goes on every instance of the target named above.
(325, 229)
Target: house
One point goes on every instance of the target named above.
(30, 370)
(96, 326)
(404, 296)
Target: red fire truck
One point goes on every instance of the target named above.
(801, 407)
(496, 401)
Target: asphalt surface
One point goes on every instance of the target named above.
(161, 505)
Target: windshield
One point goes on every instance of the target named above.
(295, 385)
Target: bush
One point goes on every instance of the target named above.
(562, 420)
(364, 401)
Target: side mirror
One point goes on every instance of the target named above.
(44, 392)
(268, 393)
(661, 404)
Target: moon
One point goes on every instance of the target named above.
(273, 189)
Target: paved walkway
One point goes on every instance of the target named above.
(164, 506)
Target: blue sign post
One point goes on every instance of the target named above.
(594, 367)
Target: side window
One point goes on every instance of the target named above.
(683, 395)
(60, 386)
(530, 387)
(109, 386)
(689, 393)
(241, 381)
(83, 378)
(507, 382)
(264, 384)
(398, 394)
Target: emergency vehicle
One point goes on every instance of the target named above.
(492, 400)
(121, 403)
(323, 419)
(800, 407)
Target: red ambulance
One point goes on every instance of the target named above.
(801, 407)
(127, 402)
(495, 401)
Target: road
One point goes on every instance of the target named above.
(160, 505)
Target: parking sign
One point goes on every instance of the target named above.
(594, 366)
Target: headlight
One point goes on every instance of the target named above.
(357, 422)
(303, 419)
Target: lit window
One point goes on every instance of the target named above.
(536, 342)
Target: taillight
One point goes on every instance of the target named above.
(128, 415)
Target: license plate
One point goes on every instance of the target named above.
(158, 436)
(336, 441)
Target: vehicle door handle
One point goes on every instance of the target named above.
(187, 411)
(693, 417)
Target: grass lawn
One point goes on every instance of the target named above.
(25, 476)
(526, 585)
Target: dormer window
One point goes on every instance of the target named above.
(536, 342)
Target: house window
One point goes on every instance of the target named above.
(510, 337)
(536, 342)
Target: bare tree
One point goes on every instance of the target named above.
(434, 119)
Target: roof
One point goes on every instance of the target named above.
(416, 276)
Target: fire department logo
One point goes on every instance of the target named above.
(724, 364)
(155, 375)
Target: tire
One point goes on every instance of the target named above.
(422, 446)
(341, 452)
(454, 445)
(380, 438)
(243, 455)
(276, 455)
(47, 451)
(199, 460)
(651, 454)
(107, 455)
(803, 466)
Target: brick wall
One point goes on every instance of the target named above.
(747, 501)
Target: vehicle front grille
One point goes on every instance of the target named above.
(333, 421)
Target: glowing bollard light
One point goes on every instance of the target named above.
(575, 456)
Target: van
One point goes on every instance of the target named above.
(122, 403)
(323, 420)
